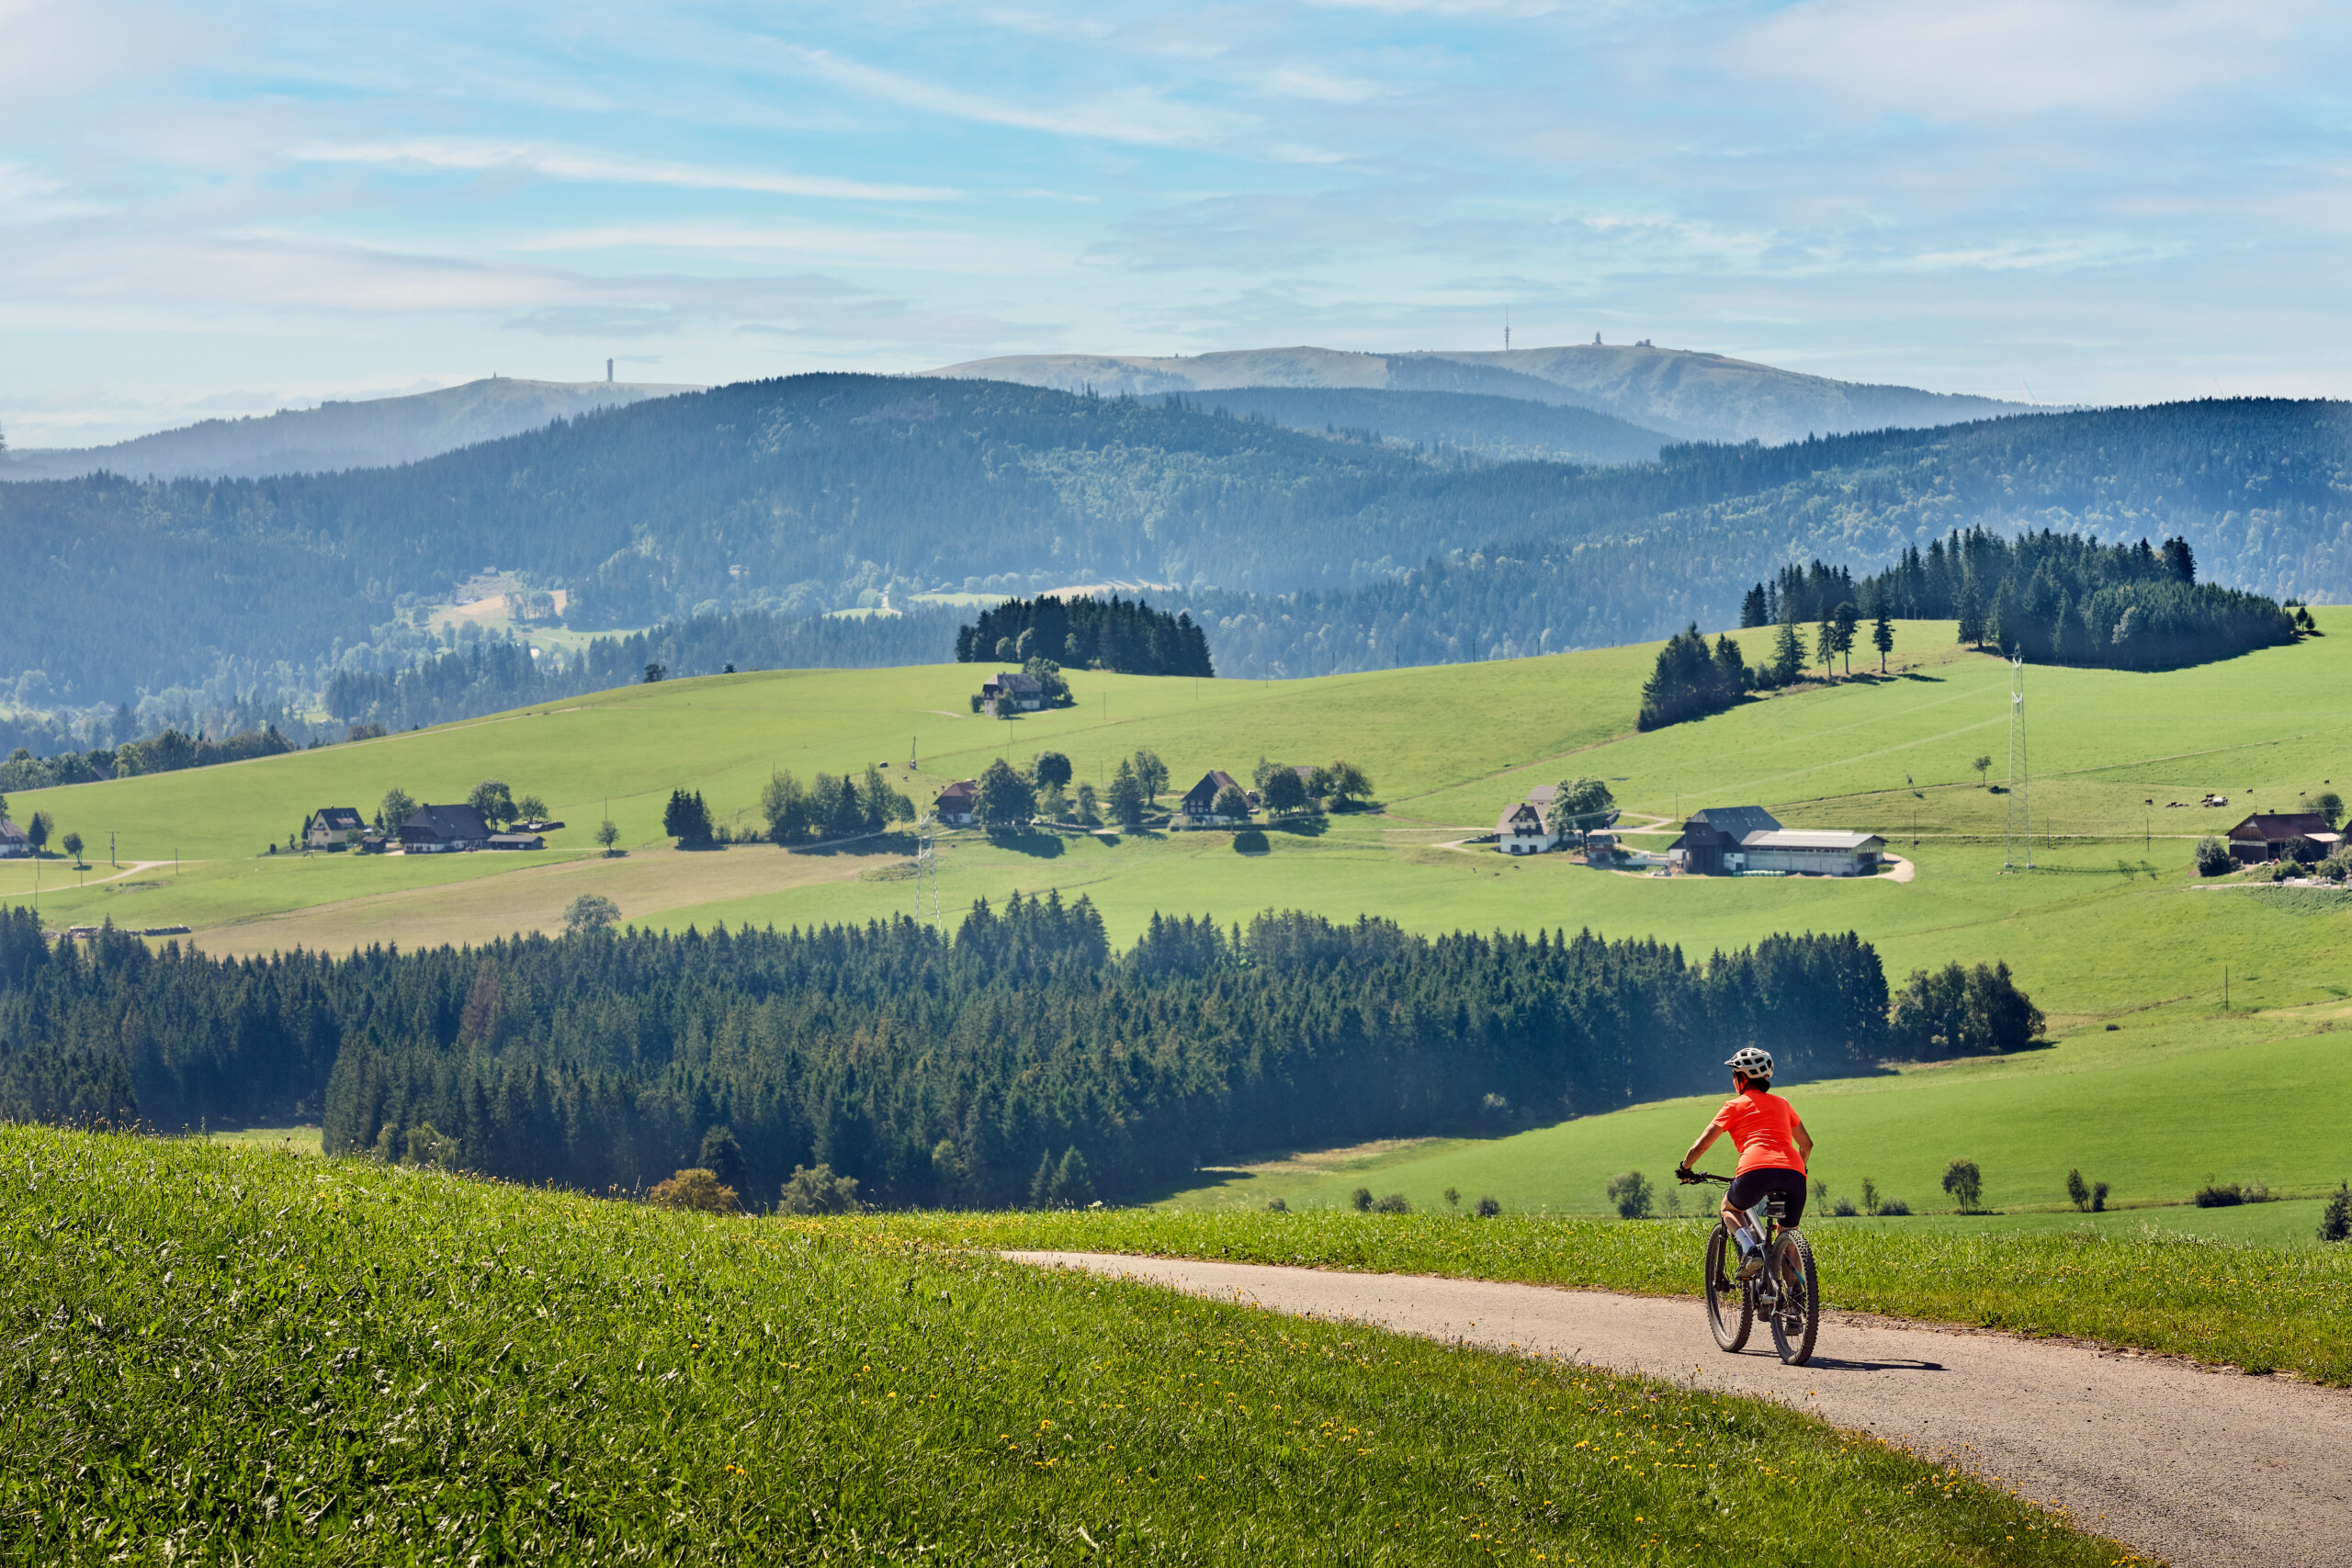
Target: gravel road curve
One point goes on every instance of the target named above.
(2204, 1469)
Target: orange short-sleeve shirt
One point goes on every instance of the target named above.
(1765, 1127)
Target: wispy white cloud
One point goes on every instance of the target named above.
(479, 157)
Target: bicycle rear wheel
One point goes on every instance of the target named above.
(1730, 1313)
(1796, 1306)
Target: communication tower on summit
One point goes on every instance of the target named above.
(2021, 825)
(1506, 329)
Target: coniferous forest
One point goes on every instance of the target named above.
(1297, 554)
(1126, 638)
(933, 1070)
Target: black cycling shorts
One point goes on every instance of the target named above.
(1748, 1190)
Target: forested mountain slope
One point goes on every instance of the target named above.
(337, 436)
(1506, 428)
(1309, 553)
(1704, 397)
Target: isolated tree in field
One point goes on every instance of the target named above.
(1824, 641)
(722, 1157)
(608, 834)
(1848, 619)
(1349, 784)
(397, 809)
(686, 819)
(590, 912)
(1579, 806)
(2213, 857)
(656, 673)
(819, 1192)
(1283, 791)
(1630, 1193)
(698, 1190)
(1230, 802)
(1152, 773)
(1361, 1200)
(530, 809)
(2078, 1191)
(1981, 763)
(1126, 799)
(2329, 806)
(1051, 768)
(491, 800)
(1489, 1208)
(38, 830)
(1965, 1183)
(1006, 799)
(73, 847)
(1883, 638)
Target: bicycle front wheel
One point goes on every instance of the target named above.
(1796, 1306)
(1729, 1311)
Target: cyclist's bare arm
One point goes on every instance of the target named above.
(1706, 1141)
(1805, 1140)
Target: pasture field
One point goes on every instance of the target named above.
(2103, 926)
(2111, 928)
(231, 1354)
(2154, 1109)
(2264, 1308)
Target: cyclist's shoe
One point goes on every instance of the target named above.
(1750, 1265)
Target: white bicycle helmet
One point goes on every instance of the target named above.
(1751, 1061)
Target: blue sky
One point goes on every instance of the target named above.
(230, 207)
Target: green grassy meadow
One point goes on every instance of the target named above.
(224, 1354)
(2110, 927)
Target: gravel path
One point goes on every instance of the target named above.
(2200, 1468)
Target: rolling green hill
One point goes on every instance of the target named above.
(231, 1355)
(2110, 927)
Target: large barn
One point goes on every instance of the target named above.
(1730, 841)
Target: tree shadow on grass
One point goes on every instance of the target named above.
(1251, 841)
(1303, 827)
(1043, 846)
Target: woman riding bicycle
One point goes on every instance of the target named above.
(1772, 1145)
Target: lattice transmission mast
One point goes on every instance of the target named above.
(926, 870)
(2020, 838)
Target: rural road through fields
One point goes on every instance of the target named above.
(2206, 1470)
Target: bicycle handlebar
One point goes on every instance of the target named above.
(1697, 1176)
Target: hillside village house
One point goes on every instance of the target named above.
(1729, 840)
(958, 804)
(1199, 807)
(1012, 693)
(14, 845)
(444, 830)
(2265, 835)
(334, 827)
(1521, 831)
(523, 840)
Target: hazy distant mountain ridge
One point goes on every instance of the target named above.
(1506, 428)
(373, 434)
(1696, 396)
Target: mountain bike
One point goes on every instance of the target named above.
(1786, 1292)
